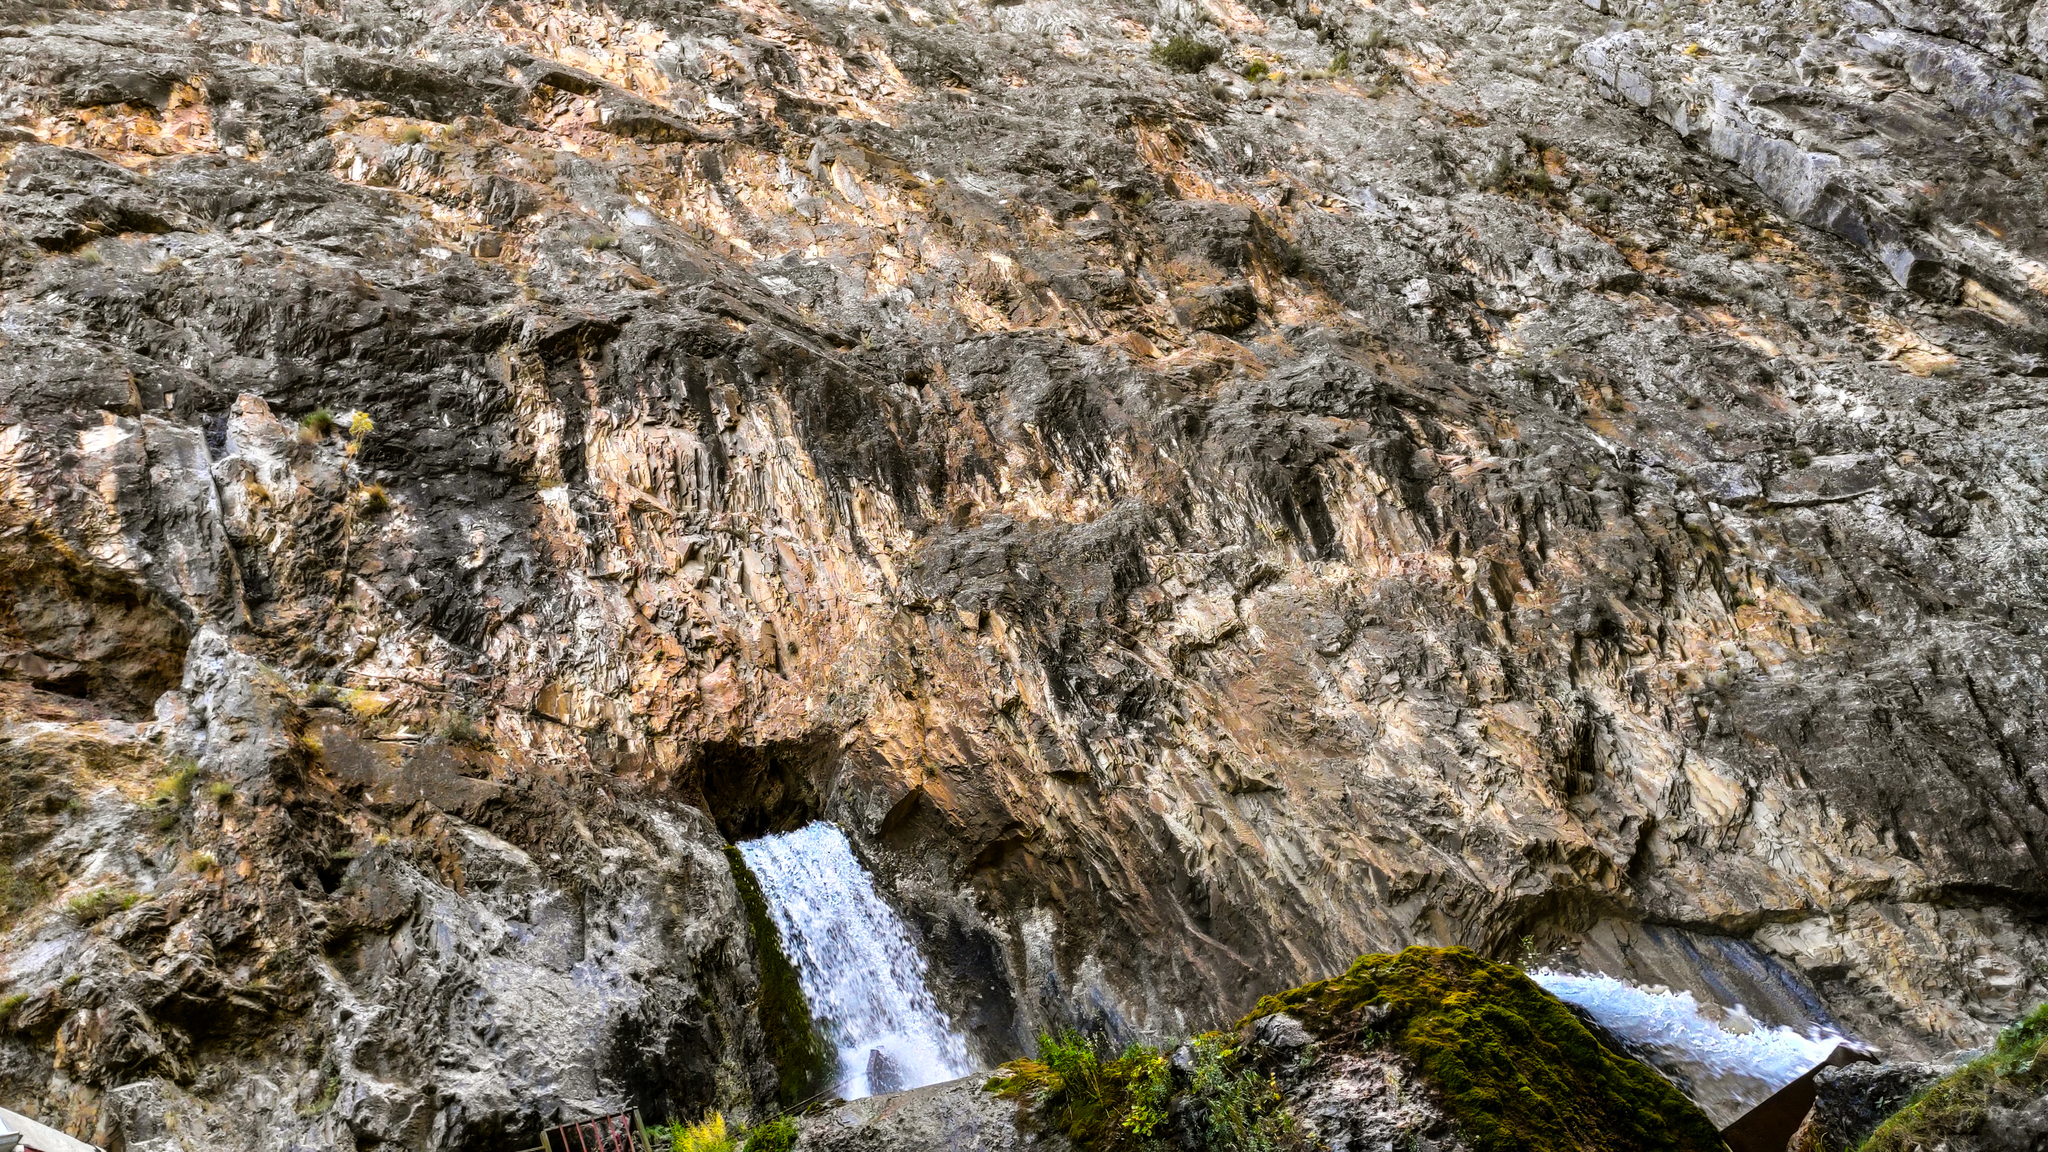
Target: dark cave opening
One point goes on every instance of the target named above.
(753, 790)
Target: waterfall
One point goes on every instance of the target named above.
(1727, 1066)
(863, 977)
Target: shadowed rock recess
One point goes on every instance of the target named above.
(1565, 473)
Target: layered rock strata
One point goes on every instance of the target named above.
(1500, 472)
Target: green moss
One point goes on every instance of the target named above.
(1124, 1103)
(804, 1061)
(2012, 1074)
(1518, 1072)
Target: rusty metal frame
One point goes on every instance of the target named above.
(612, 1132)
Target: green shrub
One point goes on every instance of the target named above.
(1123, 1104)
(777, 1135)
(221, 793)
(100, 903)
(319, 421)
(1244, 1112)
(2011, 1075)
(1257, 70)
(1186, 54)
(804, 1060)
(9, 1003)
(1517, 1070)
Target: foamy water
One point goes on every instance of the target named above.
(864, 978)
(1728, 1065)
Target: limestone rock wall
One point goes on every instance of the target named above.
(1454, 474)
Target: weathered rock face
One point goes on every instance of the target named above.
(1851, 1101)
(956, 1114)
(1505, 470)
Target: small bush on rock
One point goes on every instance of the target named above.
(777, 1135)
(1186, 54)
(174, 791)
(100, 903)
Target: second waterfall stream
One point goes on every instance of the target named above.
(863, 976)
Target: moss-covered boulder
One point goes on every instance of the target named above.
(804, 1059)
(1518, 1071)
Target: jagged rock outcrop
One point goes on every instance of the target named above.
(1501, 472)
(1851, 1101)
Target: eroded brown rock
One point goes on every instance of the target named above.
(1192, 530)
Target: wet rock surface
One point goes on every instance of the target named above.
(957, 1115)
(1851, 1101)
(1454, 474)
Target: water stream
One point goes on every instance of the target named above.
(1727, 1065)
(864, 978)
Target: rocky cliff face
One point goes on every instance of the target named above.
(1536, 471)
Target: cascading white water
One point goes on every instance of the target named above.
(1727, 1066)
(863, 977)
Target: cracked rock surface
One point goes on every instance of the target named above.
(1558, 474)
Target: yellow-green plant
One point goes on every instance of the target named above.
(706, 1135)
(174, 790)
